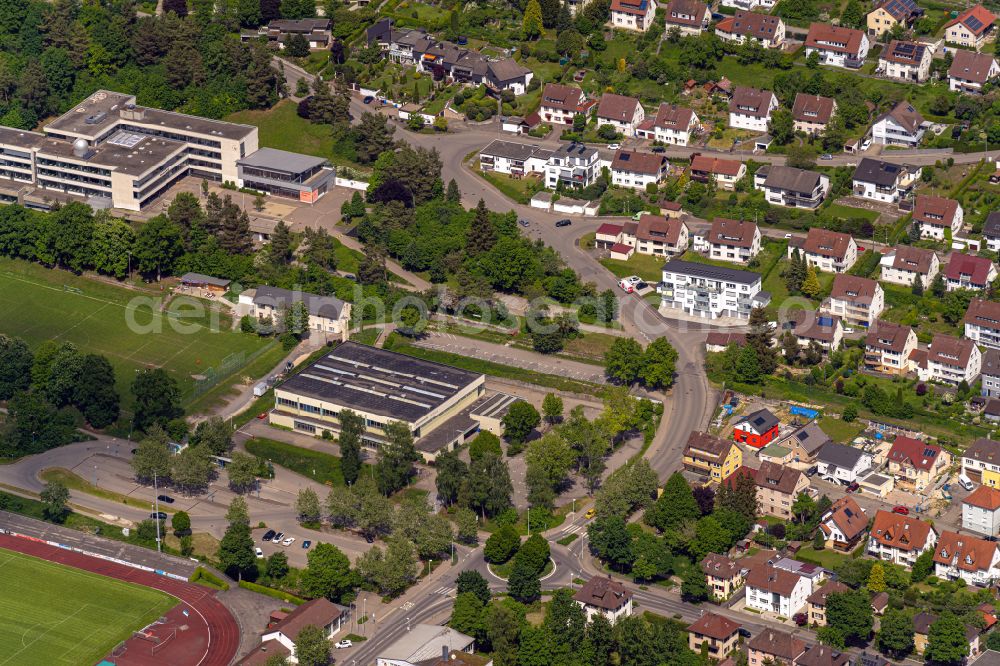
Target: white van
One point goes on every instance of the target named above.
(965, 482)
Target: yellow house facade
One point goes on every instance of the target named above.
(880, 21)
(711, 456)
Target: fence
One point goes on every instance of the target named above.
(226, 368)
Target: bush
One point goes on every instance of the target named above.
(271, 592)
(203, 576)
(502, 545)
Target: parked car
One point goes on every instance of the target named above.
(268, 535)
(629, 283)
(165, 498)
(288, 541)
(853, 487)
(812, 471)
(614, 146)
(351, 276)
(591, 512)
(801, 619)
(565, 222)
(788, 235)
(340, 645)
(158, 515)
(826, 156)
(278, 537)
(307, 543)
(523, 222)
(262, 416)
(658, 149)
(744, 632)
(901, 510)
(260, 553)
(368, 99)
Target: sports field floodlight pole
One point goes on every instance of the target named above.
(156, 510)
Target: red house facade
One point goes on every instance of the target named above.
(757, 429)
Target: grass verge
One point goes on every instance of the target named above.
(74, 481)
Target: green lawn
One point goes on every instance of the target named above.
(847, 212)
(646, 266)
(122, 324)
(827, 558)
(51, 614)
(840, 431)
(318, 466)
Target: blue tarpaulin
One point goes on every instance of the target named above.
(803, 411)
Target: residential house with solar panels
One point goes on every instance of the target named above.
(791, 187)
(883, 181)
(732, 240)
(838, 462)
(710, 292)
(837, 46)
(636, 170)
(890, 13)
(905, 264)
(844, 524)
(812, 113)
(806, 442)
(749, 5)
(972, 28)
(751, 109)
(574, 165)
(766, 30)
(934, 215)
(672, 125)
(757, 429)
(632, 14)
(901, 126)
(690, 17)
(915, 463)
(811, 327)
(970, 71)
(982, 326)
(435, 401)
(905, 61)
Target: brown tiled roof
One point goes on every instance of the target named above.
(818, 597)
(905, 116)
(913, 452)
(777, 477)
(558, 96)
(904, 53)
(731, 232)
(714, 626)
(982, 19)
(603, 592)
(888, 336)
(983, 313)
(659, 228)
(984, 497)
(984, 450)
(950, 350)
(617, 107)
(636, 162)
(686, 12)
(823, 655)
(913, 259)
(725, 338)
(719, 566)
(715, 165)
(812, 325)
(971, 66)
(966, 552)
(898, 10)
(636, 7)
(777, 643)
(766, 577)
(827, 243)
(673, 117)
(834, 38)
(751, 101)
(977, 268)
(318, 612)
(937, 211)
(848, 516)
(703, 446)
(853, 289)
(750, 24)
(900, 532)
(812, 108)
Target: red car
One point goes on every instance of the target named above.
(901, 510)
(262, 416)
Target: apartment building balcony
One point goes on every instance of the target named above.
(854, 63)
(800, 200)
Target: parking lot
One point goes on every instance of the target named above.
(295, 552)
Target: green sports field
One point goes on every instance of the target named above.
(125, 325)
(51, 614)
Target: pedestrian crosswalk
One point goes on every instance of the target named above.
(444, 591)
(573, 529)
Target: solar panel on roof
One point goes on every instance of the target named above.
(974, 23)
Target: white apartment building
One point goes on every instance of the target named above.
(732, 240)
(574, 165)
(710, 292)
(843, 463)
(828, 251)
(672, 125)
(751, 109)
(857, 300)
(766, 30)
(773, 590)
(902, 126)
(970, 71)
(636, 170)
(632, 14)
(904, 263)
(982, 323)
(621, 112)
(981, 509)
(976, 561)
(933, 215)
(883, 181)
(952, 360)
(513, 159)
(899, 539)
(888, 347)
(966, 271)
(812, 113)
(837, 46)
(791, 187)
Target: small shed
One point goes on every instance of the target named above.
(542, 200)
(621, 251)
(877, 484)
(206, 282)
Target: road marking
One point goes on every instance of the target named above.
(444, 591)
(406, 606)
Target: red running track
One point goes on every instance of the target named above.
(210, 617)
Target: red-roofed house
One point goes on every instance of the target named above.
(604, 596)
(630, 168)
(725, 172)
(621, 112)
(829, 251)
(766, 30)
(560, 104)
(915, 464)
(972, 28)
(750, 108)
(732, 240)
(776, 590)
(718, 634)
(688, 16)
(976, 561)
(952, 360)
(632, 14)
(844, 524)
(899, 539)
(672, 125)
(811, 113)
(970, 71)
(653, 234)
(279, 638)
(857, 300)
(969, 272)
(837, 46)
(981, 511)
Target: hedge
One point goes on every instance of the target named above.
(203, 576)
(271, 592)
